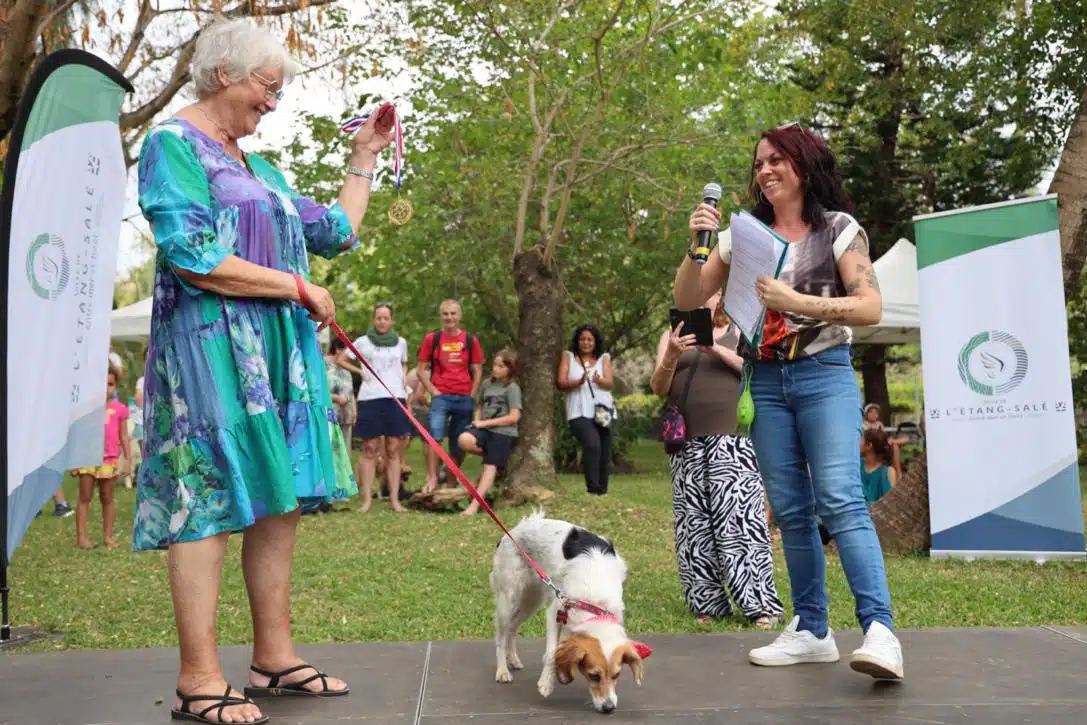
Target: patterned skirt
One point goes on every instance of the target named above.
(722, 539)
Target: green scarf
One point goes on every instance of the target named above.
(389, 339)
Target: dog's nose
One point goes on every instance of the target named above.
(607, 707)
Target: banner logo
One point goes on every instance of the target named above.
(47, 267)
(993, 363)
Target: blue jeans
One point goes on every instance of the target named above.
(806, 433)
(450, 414)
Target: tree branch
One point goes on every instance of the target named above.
(52, 16)
(178, 79)
(320, 66)
(241, 9)
(625, 151)
(142, 21)
(605, 165)
(488, 22)
(598, 42)
(181, 73)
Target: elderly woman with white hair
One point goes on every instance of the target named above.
(240, 426)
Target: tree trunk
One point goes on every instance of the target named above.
(874, 375)
(539, 344)
(18, 46)
(1070, 184)
(901, 518)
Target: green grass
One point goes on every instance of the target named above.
(422, 576)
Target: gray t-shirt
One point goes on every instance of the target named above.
(811, 268)
(498, 399)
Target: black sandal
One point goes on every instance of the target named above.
(223, 701)
(295, 688)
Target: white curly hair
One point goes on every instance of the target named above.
(238, 47)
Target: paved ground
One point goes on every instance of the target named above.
(992, 676)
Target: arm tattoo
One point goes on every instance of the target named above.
(834, 309)
(857, 245)
(870, 278)
(856, 283)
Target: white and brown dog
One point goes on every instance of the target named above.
(589, 572)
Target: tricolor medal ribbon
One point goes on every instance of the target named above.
(400, 211)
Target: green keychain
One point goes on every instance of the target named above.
(745, 407)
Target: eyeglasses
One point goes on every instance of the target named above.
(277, 95)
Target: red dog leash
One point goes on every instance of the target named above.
(307, 303)
(642, 649)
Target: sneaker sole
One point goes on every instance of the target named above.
(785, 662)
(873, 667)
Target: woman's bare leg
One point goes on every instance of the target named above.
(195, 571)
(267, 555)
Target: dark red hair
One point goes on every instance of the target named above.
(815, 166)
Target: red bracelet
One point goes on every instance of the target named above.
(302, 296)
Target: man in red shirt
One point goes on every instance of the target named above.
(451, 370)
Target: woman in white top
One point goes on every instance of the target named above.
(381, 423)
(585, 375)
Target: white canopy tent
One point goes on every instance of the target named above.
(901, 323)
(132, 323)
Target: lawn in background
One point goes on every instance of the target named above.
(422, 576)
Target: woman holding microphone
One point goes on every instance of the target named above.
(807, 423)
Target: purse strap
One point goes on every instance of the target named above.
(588, 378)
(687, 385)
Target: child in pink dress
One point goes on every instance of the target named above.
(104, 475)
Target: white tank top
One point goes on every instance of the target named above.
(580, 402)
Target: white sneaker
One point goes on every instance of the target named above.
(880, 656)
(794, 648)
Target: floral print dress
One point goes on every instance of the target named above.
(238, 420)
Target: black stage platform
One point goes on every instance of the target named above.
(976, 676)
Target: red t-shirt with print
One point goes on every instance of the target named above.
(451, 373)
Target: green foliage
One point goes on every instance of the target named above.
(686, 114)
(929, 107)
(638, 412)
(1056, 42)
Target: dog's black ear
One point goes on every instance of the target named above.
(571, 545)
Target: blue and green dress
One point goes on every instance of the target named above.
(238, 420)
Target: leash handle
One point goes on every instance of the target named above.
(334, 326)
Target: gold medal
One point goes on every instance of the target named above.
(400, 211)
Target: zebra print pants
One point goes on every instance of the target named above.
(722, 540)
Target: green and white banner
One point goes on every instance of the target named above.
(999, 417)
(60, 222)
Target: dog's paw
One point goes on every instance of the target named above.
(515, 662)
(546, 686)
(503, 676)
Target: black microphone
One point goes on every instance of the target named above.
(711, 194)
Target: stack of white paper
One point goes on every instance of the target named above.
(756, 252)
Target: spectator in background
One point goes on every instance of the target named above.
(493, 433)
(104, 475)
(585, 376)
(881, 465)
(341, 388)
(872, 420)
(451, 371)
(381, 423)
